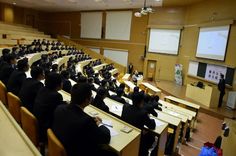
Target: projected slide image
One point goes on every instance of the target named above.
(212, 42)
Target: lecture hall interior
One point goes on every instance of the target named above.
(117, 77)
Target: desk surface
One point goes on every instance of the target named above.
(13, 141)
(149, 86)
(189, 113)
(168, 118)
(187, 103)
(130, 84)
(126, 76)
(119, 141)
(184, 118)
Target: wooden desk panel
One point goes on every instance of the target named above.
(13, 141)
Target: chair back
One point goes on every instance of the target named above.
(3, 93)
(14, 104)
(29, 124)
(55, 148)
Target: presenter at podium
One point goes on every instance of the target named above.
(221, 87)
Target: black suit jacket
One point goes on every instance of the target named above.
(137, 117)
(45, 104)
(66, 85)
(5, 72)
(99, 103)
(221, 85)
(15, 81)
(28, 92)
(78, 131)
(119, 99)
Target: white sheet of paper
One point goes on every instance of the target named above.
(116, 108)
(158, 122)
(107, 122)
(113, 132)
(173, 113)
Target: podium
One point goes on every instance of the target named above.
(208, 96)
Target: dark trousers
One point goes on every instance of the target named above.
(221, 99)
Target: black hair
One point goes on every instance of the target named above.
(137, 98)
(122, 85)
(82, 79)
(80, 92)
(101, 91)
(119, 91)
(136, 89)
(53, 80)
(5, 51)
(90, 80)
(23, 63)
(9, 57)
(54, 66)
(65, 74)
(36, 72)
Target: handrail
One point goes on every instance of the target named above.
(121, 68)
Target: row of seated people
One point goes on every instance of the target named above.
(45, 42)
(45, 98)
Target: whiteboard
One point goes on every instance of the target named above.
(164, 41)
(97, 50)
(212, 42)
(91, 25)
(119, 56)
(192, 68)
(118, 25)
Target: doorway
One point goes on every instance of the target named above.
(151, 70)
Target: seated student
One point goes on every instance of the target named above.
(105, 85)
(66, 82)
(5, 52)
(82, 79)
(138, 117)
(30, 87)
(91, 81)
(122, 86)
(118, 96)
(96, 78)
(18, 76)
(80, 134)
(149, 105)
(7, 67)
(54, 68)
(46, 102)
(98, 100)
(136, 90)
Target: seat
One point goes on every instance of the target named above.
(14, 104)
(55, 148)
(3, 93)
(29, 124)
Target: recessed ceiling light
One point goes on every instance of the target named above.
(14, 3)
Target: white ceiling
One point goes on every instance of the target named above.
(77, 5)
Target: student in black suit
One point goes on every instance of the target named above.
(30, 87)
(80, 134)
(66, 82)
(138, 117)
(98, 101)
(46, 102)
(18, 76)
(7, 67)
(221, 87)
(118, 96)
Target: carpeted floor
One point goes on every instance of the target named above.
(208, 128)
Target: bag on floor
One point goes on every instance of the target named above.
(210, 150)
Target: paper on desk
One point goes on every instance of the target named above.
(158, 122)
(173, 113)
(116, 108)
(113, 132)
(107, 122)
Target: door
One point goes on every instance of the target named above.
(151, 69)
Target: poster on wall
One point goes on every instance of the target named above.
(213, 72)
(178, 74)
